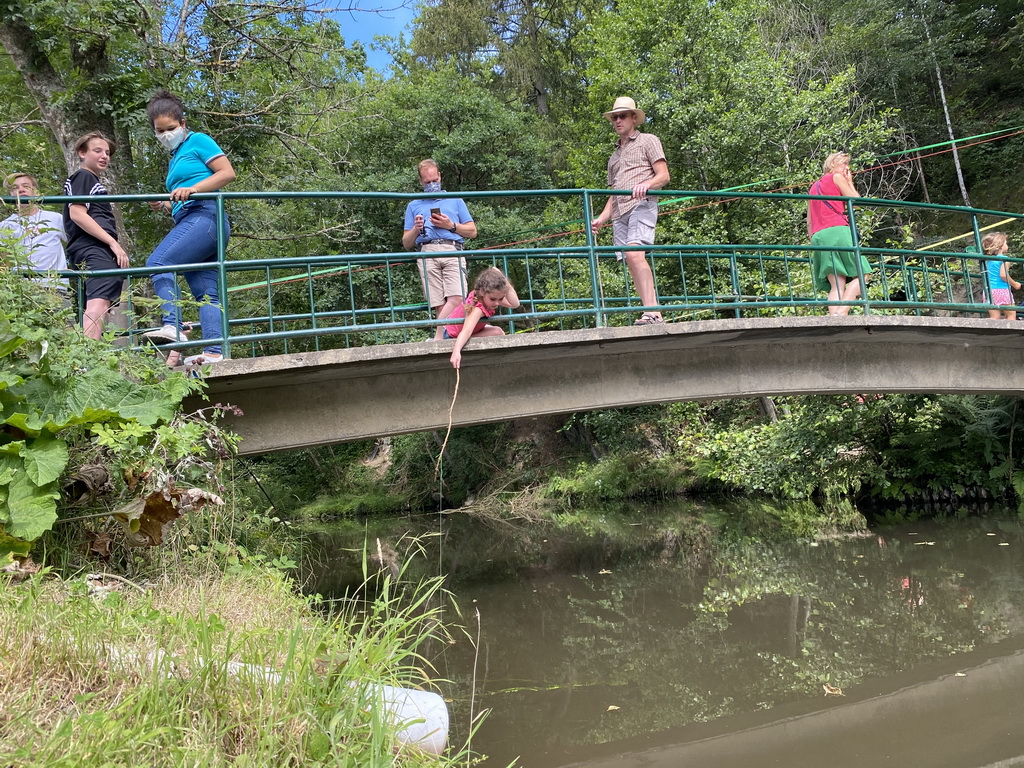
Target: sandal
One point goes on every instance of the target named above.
(649, 318)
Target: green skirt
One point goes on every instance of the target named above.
(825, 263)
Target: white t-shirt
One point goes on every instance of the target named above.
(42, 234)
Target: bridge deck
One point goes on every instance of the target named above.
(320, 398)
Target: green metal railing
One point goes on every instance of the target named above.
(317, 301)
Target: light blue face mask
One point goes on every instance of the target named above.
(431, 187)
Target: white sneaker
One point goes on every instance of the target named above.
(166, 335)
(204, 358)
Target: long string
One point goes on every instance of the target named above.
(451, 410)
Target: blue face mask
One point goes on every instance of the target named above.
(431, 187)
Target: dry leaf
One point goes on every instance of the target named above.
(100, 544)
(91, 481)
(20, 569)
(145, 520)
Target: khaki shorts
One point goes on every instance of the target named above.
(636, 227)
(443, 276)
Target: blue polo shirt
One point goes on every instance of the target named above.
(190, 163)
(452, 207)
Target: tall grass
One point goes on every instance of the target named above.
(153, 677)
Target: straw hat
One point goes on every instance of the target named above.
(626, 104)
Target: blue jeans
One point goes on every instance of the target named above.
(193, 240)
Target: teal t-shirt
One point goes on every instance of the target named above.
(190, 163)
(995, 279)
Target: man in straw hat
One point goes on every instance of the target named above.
(637, 163)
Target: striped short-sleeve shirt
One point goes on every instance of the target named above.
(631, 163)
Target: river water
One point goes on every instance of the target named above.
(632, 638)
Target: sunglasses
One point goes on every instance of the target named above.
(623, 115)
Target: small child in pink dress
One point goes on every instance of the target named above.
(999, 280)
(490, 291)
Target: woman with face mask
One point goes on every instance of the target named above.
(197, 165)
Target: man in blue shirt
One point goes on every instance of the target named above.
(439, 225)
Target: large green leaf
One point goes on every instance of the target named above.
(9, 379)
(13, 448)
(10, 463)
(45, 458)
(101, 395)
(11, 547)
(31, 509)
(9, 340)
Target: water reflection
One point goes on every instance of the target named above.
(608, 628)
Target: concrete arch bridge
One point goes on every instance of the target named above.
(316, 398)
(330, 347)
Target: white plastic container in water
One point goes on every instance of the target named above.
(422, 716)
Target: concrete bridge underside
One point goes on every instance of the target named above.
(319, 398)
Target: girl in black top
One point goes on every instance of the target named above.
(92, 233)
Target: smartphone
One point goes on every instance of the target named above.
(435, 210)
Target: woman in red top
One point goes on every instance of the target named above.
(829, 226)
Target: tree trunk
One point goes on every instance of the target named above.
(924, 183)
(47, 88)
(945, 110)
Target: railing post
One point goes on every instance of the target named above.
(599, 320)
(982, 267)
(857, 255)
(734, 279)
(222, 279)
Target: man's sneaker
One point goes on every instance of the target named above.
(166, 335)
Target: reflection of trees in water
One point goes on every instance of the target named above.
(672, 638)
(763, 624)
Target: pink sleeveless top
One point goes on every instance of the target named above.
(460, 311)
(826, 213)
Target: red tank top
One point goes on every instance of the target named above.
(826, 213)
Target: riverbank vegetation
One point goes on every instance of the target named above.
(892, 456)
(204, 667)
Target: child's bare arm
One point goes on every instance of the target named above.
(465, 334)
(1004, 272)
(511, 299)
